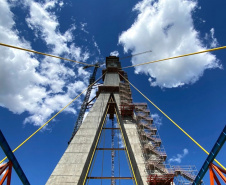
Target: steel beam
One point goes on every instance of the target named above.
(123, 178)
(112, 128)
(8, 152)
(110, 149)
(216, 148)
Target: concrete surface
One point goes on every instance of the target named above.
(73, 165)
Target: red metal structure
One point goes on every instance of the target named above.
(164, 179)
(127, 110)
(213, 176)
(6, 171)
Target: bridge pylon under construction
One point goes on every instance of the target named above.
(141, 142)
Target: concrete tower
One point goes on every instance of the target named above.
(142, 142)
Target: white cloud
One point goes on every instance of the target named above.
(96, 46)
(61, 3)
(45, 23)
(120, 141)
(83, 27)
(156, 119)
(38, 87)
(166, 27)
(114, 53)
(210, 37)
(179, 157)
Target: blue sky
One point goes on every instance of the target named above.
(190, 90)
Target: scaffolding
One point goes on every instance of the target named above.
(184, 174)
(158, 170)
(153, 151)
(126, 106)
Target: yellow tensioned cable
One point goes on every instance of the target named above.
(102, 124)
(37, 52)
(94, 160)
(102, 169)
(173, 122)
(195, 53)
(50, 119)
(126, 147)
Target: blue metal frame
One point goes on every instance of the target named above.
(8, 152)
(216, 148)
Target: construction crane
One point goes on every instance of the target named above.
(85, 101)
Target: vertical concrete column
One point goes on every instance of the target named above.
(133, 139)
(132, 142)
(73, 165)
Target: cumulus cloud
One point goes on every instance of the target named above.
(39, 86)
(45, 24)
(166, 27)
(114, 53)
(179, 157)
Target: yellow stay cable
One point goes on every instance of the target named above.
(94, 160)
(126, 147)
(102, 124)
(205, 51)
(173, 122)
(51, 119)
(32, 51)
(126, 152)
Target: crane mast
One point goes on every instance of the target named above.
(85, 101)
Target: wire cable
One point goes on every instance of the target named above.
(126, 147)
(95, 155)
(98, 138)
(102, 170)
(94, 160)
(128, 162)
(119, 174)
(195, 53)
(173, 122)
(40, 53)
(50, 119)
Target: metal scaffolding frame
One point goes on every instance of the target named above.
(157, 169)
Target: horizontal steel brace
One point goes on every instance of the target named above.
(124, 178)
(110, 149)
